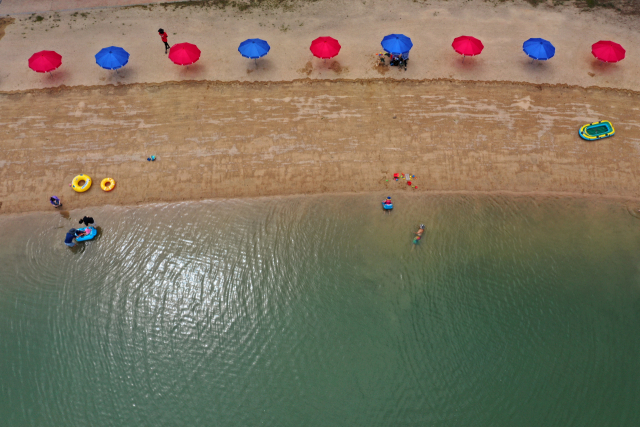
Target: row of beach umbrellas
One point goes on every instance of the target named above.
(113, 58)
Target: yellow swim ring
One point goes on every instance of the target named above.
(107, 184)
(84, 179)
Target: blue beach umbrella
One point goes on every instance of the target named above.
(112, 58)
(397, 44)
(539, 49)
(254, 48)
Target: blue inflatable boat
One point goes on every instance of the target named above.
(387, 206)
(597, 130)
(92, 233)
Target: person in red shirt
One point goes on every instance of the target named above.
(163, 36)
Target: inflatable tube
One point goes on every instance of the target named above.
(93, 233)
(387, 207)
(75, 184)
(597, 130)
(107, 184)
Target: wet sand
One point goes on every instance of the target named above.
(220, 140)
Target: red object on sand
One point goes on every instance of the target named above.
(416, 187)
(608, 51)
(45, 61)
(467, 45)
(409, 183)
(396, 175)
(325, 47)
(184, 53)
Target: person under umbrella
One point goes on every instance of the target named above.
(398, 46)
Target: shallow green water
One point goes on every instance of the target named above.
(315, 311)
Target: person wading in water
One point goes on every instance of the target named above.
(87, 221)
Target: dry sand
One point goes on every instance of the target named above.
(235, 140)
(359, 25)
(347, 126)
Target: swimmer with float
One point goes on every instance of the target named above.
(418, 234)
(387, 204)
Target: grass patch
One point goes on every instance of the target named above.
(626, 7)
(4, 23)
(597, 3)
(240, 5)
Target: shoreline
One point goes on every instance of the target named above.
(625, 201)
(237, 140)
(305, 80)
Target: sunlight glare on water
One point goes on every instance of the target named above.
(319, 311)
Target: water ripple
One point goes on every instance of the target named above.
(320, 311)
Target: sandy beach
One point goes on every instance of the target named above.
(264, 139)
(359, 26)
(295, 124)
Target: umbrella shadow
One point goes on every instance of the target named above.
(56, 77)
(262, 64)
(470, 63)
(116, 76)
(328, 65)
(535, 66)
(193, 70)
(123, 73)
(602, 68)
(336, 67)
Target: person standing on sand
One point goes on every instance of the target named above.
(163, 36)
(53, 199)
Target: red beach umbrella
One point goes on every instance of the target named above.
(467, 46)
(45, 61)
(184, 53)
(325, 47)
(608, 51)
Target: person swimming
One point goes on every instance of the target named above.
(418, 234)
